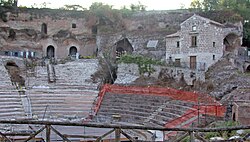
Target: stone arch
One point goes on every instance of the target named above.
(231, 42)
(11, 63)
(72, 51)
(50, 51)
(123, 47)
(44, 28)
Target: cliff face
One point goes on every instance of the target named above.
(36, 29)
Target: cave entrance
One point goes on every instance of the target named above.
(231, 42)
(50, 51)
(123, 47)
(15, 73)
(248, 69)
(73, 51)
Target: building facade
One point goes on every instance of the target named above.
(201, 42)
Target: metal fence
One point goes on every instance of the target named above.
(198, 66)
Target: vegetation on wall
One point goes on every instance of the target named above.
(144, 63)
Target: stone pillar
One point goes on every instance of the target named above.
(77, 55)
(21, 53)
(27, 54)
(32, 54)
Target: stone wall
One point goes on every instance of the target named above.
(138, 41)
(75, 28)
(63, 29)
(128, 73)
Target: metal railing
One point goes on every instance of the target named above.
(198, 66)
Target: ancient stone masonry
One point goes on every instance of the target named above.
(59, 33)
(200, 42)
(46, 33)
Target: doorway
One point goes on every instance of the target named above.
(50, 51)
(193, 62)
(73, 51)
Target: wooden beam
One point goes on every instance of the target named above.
(200, 137)
(48, 133)
(80, 136)
(101, 137)
(120, 126)
(191, 136)
(59, 134)
(181, 137)
(5, 137)
(16, 134)
(117, 135)
(128, 136)
(33, 135)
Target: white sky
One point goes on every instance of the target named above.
(151, 4)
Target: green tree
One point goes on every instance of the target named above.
(211, 5)
(100, 9)
(196, 5)
(73, 7)
(138, 7)
(8, 2)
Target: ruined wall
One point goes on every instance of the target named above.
(138, 41)
(128, 73)
(36, 29)
(239, 107)
(84, 27)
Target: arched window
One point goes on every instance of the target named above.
(44, 28)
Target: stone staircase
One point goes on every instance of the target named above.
(65, 102)
(10, 100)
(70, 96)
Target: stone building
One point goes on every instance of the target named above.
(46, 33)
(201, 42)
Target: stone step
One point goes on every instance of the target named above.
(10, 100)
(63, 109)
(9, 110)
(10, 115)
(9, 95)
(59, 103)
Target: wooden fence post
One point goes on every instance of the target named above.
(47, 133)
(117, 135)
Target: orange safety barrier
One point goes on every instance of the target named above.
(212, 110)
(105, 88)
(202, 99)
(159, 91)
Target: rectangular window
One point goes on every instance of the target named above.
(213, 57)
(6, 53)
(213, 44)
(194, 28)
(194, 41)
(73, 25)
(178, 44)
(177, 62)
(16, 54)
